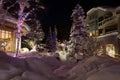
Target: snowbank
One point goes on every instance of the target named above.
(51, 68)
(90, 68)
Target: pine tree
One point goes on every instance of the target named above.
(54, 39)
(80, 41)
(35, 36)
(51, 40)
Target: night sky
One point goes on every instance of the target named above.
(58, 12)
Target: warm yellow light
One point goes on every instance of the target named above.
(90, 33)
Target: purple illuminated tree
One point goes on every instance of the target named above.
(21, 9)
(80, 41)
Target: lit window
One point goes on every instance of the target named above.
(0, 34)
(90, 33)
(93, 33)
(3, 33)
(97, 33)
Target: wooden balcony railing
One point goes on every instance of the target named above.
(100, 24)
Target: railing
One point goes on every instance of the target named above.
(110, 34)
(105, 20)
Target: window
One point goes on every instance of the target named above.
(97, 33)
(0, 33)
(6, 36)
(90, 33)
(93, 33)
(100, 31)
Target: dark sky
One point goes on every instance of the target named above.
(58, 13)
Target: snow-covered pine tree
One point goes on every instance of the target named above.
(81, 43)
(36, 36)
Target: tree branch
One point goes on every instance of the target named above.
(11, 6)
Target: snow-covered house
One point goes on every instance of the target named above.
(104, 25)
(8, 27)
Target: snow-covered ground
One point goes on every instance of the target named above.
(51, 68)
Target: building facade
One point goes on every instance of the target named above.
(104, 25)
(8, 27)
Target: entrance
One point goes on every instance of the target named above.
(110, 50)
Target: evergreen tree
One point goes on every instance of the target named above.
(80, 41)
(49, 40)
(52, 40)
(34, 37)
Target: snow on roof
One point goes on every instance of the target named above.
(94, 9)
(14, 21)
(118, 8)
(102, 8)
(7, 17)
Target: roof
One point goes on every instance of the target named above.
(118, 9)
(14, 21)
(94, 9)
(102, 8)
(4, 16)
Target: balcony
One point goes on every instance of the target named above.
(107, 35)
(106, 22)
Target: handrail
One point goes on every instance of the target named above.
(105, 20)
